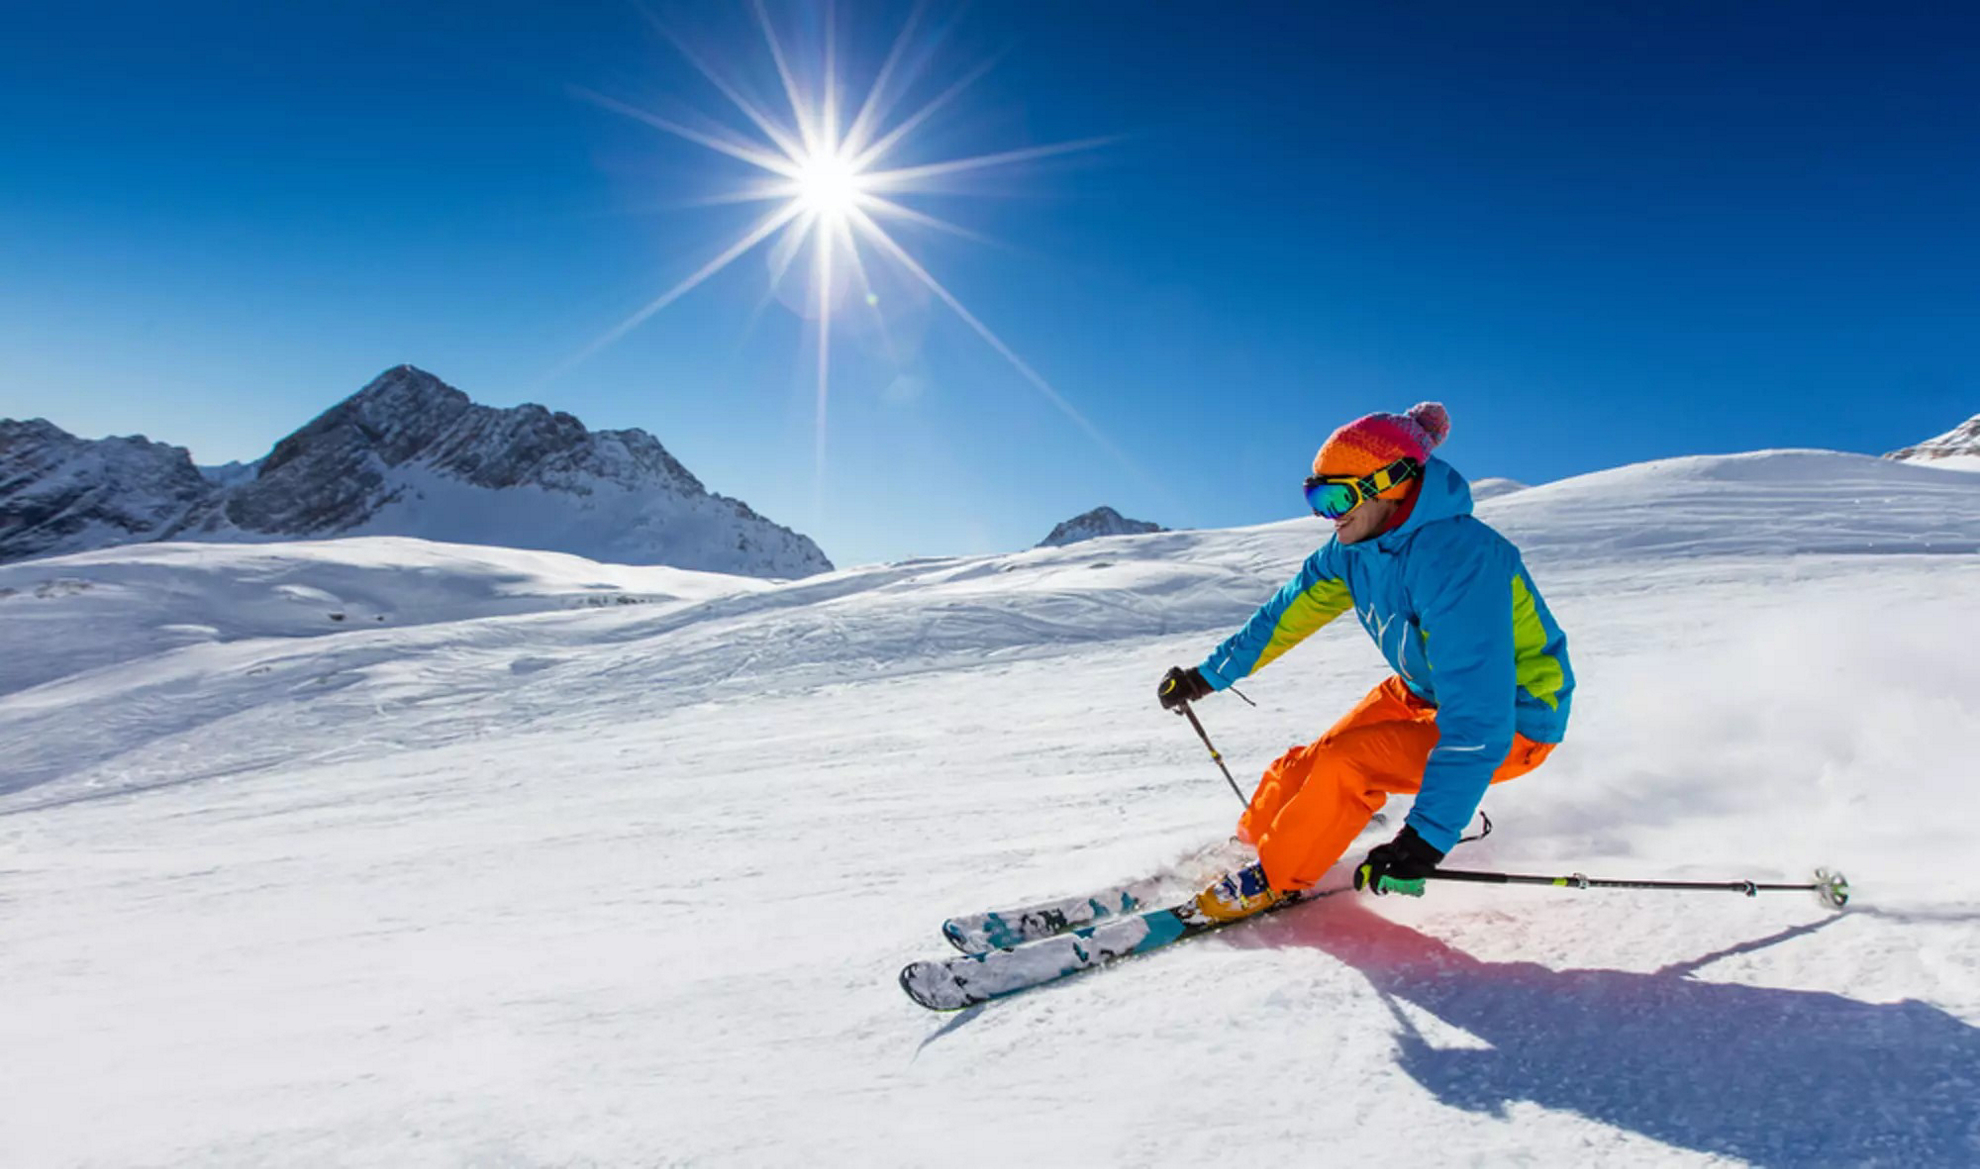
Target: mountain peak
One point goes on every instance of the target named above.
(1962, 442)
(21, 430)
(1101, 521)
(393, 416)
(408, 387)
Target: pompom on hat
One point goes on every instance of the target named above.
(1373, 441)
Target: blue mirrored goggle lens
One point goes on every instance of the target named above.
(1332, 500)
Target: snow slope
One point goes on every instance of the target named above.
(629, 885)
(114, 605)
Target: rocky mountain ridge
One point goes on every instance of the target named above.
(60, 493)
(1961, 445)
(1101, 521)
(408, 455)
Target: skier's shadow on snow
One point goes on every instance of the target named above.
(1775, 1077)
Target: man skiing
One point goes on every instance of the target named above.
(1482, 682)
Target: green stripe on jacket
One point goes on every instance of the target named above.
(1538, 672)
(1318, 605)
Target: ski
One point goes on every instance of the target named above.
(1000, 929)
(950, 984)
(979, 933)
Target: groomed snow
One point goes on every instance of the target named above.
(630, 884)
(131, 602)
(1951, 463)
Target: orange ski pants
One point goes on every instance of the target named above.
(1314, 800)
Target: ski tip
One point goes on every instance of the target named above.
(954, 933)
(925, 982)
(1832, 887)
(909, 979)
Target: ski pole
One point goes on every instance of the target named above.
(1189, 713)
(1831, 887)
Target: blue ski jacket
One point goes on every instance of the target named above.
(1449, 602)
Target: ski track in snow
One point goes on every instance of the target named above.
(630, 885)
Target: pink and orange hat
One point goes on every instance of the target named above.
(1373, 441)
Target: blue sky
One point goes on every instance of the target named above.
(1600, 233)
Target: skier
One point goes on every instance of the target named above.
(1481, 687)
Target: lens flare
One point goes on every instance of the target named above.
(833, 192)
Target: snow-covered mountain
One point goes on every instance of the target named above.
(1957, 449)
(60, 493)
(1101, 521)
(408, 455)
(631, 884)
(1484, 489)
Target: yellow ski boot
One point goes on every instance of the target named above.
(1237, 895)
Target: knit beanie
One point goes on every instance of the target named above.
(1373, 441)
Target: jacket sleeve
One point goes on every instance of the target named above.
(1463, 598)
(1309, 600)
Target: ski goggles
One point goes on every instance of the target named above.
(1333, 496)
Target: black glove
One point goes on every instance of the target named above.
(1398, 866)
(1180, 686)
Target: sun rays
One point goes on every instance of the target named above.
(832, 191)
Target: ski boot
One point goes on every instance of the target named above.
(1237, 895)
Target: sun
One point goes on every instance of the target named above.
(832, 186)
(828, 184)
